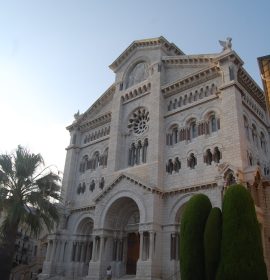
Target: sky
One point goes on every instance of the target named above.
(54, 55)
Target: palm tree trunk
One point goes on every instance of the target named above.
(7, 250)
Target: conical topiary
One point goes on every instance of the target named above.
(241, 246)
(212, 241)
(191, 237)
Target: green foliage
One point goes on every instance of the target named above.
(26, 192)
(191, 238)
(212, 240)
(241, 247)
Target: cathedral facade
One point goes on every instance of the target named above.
(172, 125)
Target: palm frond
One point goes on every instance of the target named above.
(6, 166)
(26, 163)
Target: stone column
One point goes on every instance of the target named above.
(77, 251)
(141, 245)
(53, 250)
(59, 251)
(151, 245)
(49, 248)
(82, 252)
(93, 250)
(73, 251)
(101, 247)
(62, 255)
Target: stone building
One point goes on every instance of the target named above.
(170, 126)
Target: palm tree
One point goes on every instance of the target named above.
(27, 197)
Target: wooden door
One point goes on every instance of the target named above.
(133, 251)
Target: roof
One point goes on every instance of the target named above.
(170, 48)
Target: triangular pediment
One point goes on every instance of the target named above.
(99, 112)
(169, 48)
(124, 176)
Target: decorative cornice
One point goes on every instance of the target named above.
(190, 189)
(90, 124)
(250, 85)
(82, 209)
(148, 188)
(189, 59)
(229, 55)
(190, 80)
(153, 42)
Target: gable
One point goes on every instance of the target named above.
(99, 112)
(130, 179)
(169, 49)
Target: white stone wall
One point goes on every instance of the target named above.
(159, 196)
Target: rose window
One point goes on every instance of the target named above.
(139, 121)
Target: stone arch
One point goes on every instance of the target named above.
(84, 226)
(177, 208)
(189, 117)
(126, 194)
(141, 70)
(210, 110)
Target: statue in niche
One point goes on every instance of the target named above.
(138, 74)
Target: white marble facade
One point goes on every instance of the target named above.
(171, 125)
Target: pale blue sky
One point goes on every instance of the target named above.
(54, 54)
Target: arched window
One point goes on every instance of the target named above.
(180, 101)
(175, 104)
(185, 100)
(131, 156)
(208, 157)
(246, 127)
(177, 164)
(144, 151)
(83, 164)
(169, 166)
(96, 158)
(175, 135)
(250, 158)
(191, 161)
(263, 142)
(217, 155)
(105, 158)
(254, 135)
(138, 152)
(102, 183)
(214, 123)
(170, 106)
(196, 95)
(193, 129)
(138, 74)
(92, 186)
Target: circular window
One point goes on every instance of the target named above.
(139, 121)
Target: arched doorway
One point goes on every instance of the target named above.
(82, 246)
(122, 221)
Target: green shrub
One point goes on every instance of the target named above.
(191, 237)
(241, 247)
(212, 240)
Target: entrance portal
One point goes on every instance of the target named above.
(133, 250)
(123, 220)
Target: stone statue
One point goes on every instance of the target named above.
(77, 115)
(227, 45)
